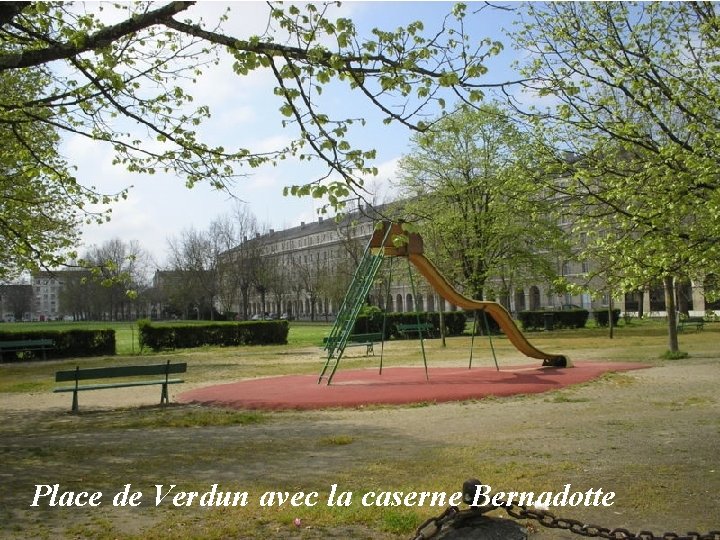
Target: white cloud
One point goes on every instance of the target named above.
(381, 186)
(269, 144)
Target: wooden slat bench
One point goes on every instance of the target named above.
(412, 330)
(163, 372)
(362, 340)
(697, 322)
(22, 345)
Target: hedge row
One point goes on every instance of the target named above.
(535, 320)
(601, 317)
(371, 321)
(492, 324)
(68, 344)
(222, 334)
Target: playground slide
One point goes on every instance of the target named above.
(495, 310)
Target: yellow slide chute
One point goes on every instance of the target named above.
(495, 310)
(411, 246)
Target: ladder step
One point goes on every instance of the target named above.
(350, 308)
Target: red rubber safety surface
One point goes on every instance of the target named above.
(396, 385)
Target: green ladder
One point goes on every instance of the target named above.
(347, 315)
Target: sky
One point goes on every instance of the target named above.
(245, 113)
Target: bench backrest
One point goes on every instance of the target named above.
(421, 326)
(690, 320)
(355, 337)
(26, 343)
(120, 371)
(366, 337)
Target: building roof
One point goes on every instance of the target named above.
(321, 225)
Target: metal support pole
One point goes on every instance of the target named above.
(472, 339)
(417, 316)
(387, 297)
(492, 347)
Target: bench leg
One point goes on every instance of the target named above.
(164, 395)
(75, 402)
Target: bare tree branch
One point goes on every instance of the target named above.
(101, 38)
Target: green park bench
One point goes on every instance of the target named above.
(412, 330)
(361, 340)
(26, 345)
(697, 322)
(162, 371)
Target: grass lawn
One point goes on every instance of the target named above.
(642, 341)
(651, 436)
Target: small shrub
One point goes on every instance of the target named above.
(674, 355)
(535, 320)
(531, 320)
(492, 324)
(68, 343)
(601, 317)
(370, 321)
(574, 318)
(186, 336)
(455, 322)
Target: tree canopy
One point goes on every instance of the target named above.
(636, 89)
(470, 180)
(123, 74)
(41, 203)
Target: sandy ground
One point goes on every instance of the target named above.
(652, 436)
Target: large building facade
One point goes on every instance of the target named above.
(309, 267)
(301, 272)
(37, 300)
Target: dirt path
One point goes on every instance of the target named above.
(651, 436)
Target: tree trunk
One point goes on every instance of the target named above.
(611, 324)
(671, 313)
(245, 301)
